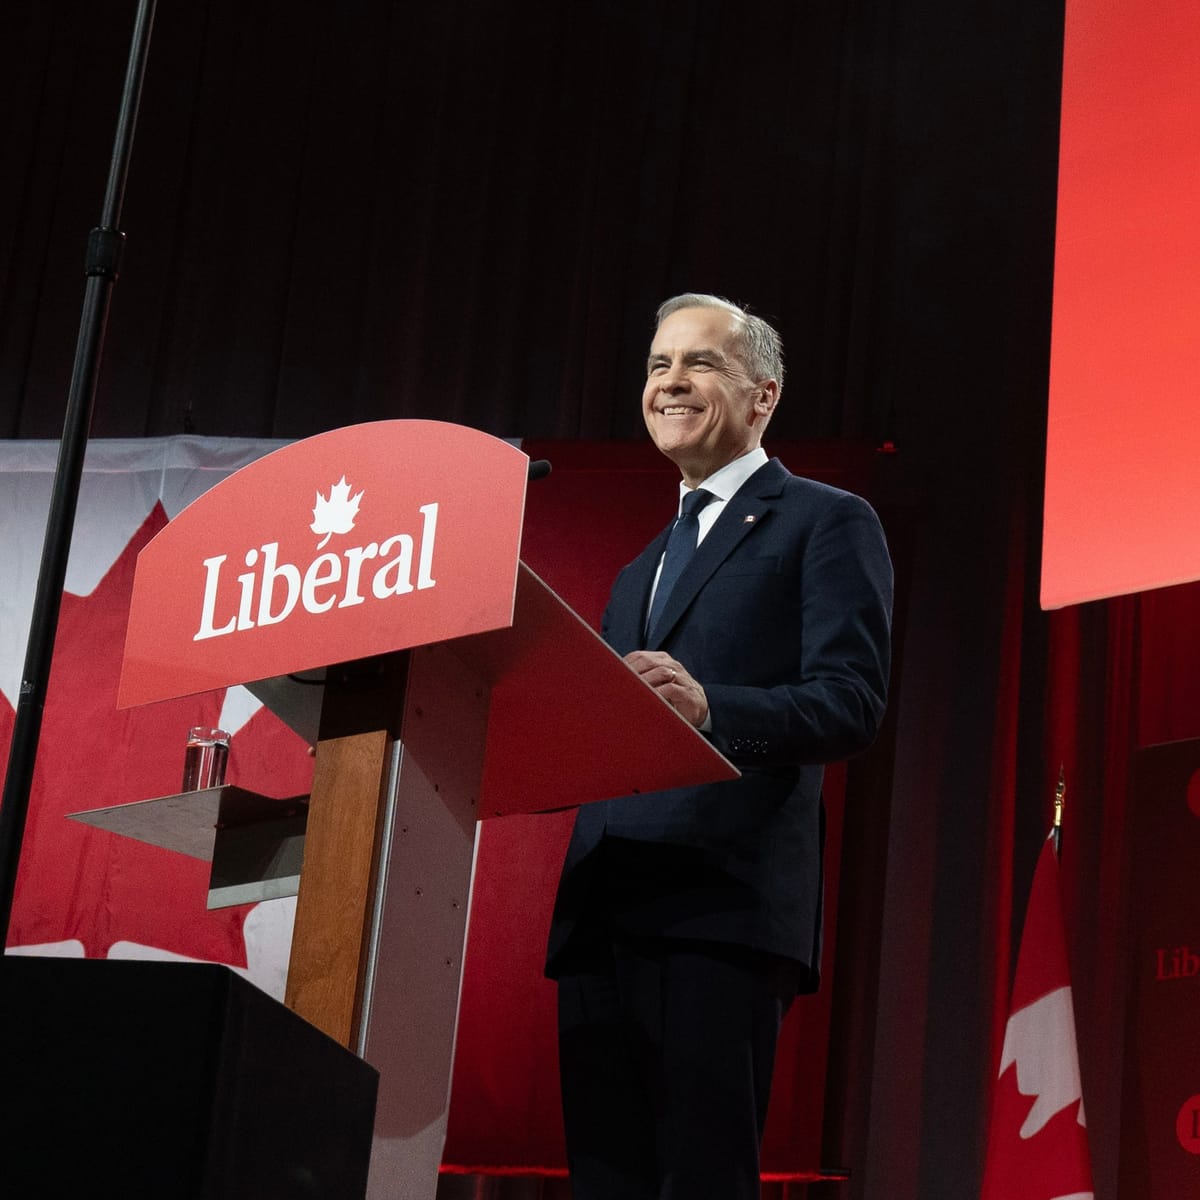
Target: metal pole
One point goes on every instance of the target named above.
(102, 266)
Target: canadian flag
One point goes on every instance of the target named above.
(1037, 1142)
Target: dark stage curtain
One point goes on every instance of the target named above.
(468, 210)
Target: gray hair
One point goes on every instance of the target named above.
(758, 345)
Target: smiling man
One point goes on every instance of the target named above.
(687, 920)
(703, 406)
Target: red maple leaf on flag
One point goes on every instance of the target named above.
(80, 884)
(1037, 1140)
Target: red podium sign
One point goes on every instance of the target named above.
(356, 542)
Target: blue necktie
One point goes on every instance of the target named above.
(681, 545)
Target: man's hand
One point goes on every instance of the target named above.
(672, 682)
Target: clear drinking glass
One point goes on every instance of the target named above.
(205, 758)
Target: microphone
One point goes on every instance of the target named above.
(538, 469)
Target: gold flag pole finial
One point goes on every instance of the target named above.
(1060, 796)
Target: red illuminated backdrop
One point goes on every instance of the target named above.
(1122, 486)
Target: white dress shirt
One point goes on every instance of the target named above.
(722, 484)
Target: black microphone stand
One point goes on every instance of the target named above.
(102, 265)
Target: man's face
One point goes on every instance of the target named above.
(701, 407)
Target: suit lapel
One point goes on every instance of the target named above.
(749, 505)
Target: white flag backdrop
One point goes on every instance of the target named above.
(84, 892)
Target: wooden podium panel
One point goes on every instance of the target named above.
(334, 910)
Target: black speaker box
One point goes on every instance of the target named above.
(172, 1080)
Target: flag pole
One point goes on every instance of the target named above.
(101, 268)
(1060, 796)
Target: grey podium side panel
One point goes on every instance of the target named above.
(415, 971)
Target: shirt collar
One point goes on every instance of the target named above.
(725, 482)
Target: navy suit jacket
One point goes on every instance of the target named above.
(783, 616)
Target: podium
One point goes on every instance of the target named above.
(442, 683)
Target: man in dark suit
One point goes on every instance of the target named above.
(687, 920)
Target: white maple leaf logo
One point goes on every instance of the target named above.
(335, 513)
